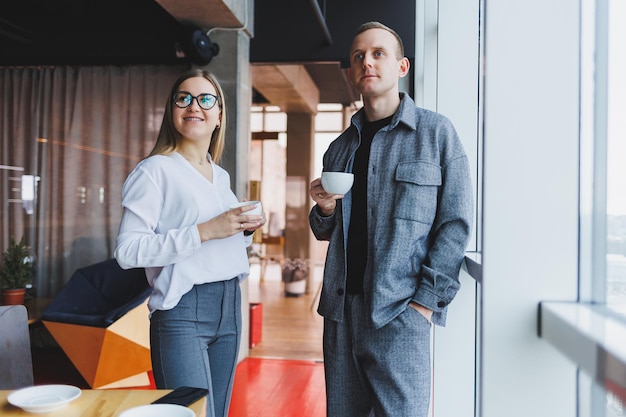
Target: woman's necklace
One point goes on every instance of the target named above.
(200, 162)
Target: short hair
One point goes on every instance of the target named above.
(378, 25)
(168, 140)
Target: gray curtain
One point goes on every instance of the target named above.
(75, 132)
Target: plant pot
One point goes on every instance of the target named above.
(295, 288)
(13, 297)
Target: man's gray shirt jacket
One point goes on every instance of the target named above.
(419, 216)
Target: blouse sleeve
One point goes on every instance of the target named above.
(139, 242)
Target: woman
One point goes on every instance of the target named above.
(177, 225)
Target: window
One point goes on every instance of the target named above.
(616, 155)
(603, 149)
(330, 121)
(603, 173)
(267, 161)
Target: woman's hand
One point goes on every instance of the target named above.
(252, 222)
(230, 222)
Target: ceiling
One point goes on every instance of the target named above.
(297, 49)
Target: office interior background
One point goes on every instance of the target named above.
(536, 89)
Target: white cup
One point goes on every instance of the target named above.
(257, 211)
(337, 182)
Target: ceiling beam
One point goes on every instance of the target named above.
(288, 86)
(207, 14)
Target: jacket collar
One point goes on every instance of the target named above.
(405, 114)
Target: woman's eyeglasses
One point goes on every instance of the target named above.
(183, 99)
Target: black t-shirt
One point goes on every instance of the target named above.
(357, 233)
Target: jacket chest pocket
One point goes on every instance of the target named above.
(417, 189)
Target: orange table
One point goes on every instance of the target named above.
(98, 403)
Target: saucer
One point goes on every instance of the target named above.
(44, 398)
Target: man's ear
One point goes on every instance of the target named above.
(405, 65)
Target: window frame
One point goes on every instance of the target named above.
(587, 331)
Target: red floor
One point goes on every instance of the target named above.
(263, 387)
(278, 388)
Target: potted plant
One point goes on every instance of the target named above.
(16, 272)
(295, 273)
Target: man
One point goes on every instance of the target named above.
(396, 239)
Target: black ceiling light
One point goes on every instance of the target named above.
(198, 46)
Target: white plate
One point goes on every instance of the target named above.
(44, 398)
(158, 410)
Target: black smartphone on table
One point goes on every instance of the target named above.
(182, 396)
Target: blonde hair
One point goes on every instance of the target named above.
(378, 25)
(169, 139)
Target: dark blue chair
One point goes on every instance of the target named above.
(100, 320)
(98, 295)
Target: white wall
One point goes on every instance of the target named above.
(530, 234)
(528, 190)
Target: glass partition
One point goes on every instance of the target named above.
(616, 155)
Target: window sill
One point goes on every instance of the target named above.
(592, 337)
(473, 265)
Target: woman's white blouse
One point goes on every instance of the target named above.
(163, 199)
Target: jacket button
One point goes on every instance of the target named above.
(441, 304)
(340, 291)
